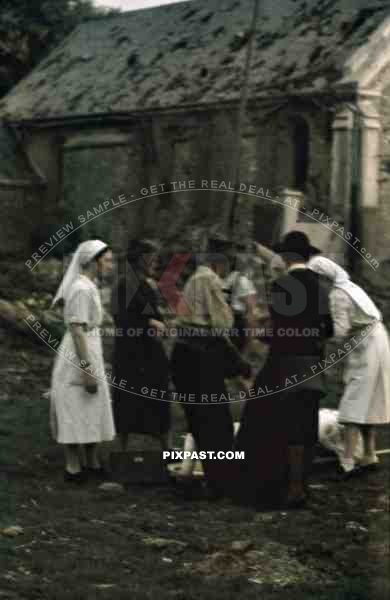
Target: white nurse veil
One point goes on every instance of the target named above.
(85, 252)
(340, 278)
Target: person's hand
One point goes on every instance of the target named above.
(247, 383)
(159, 326)
(90, 383)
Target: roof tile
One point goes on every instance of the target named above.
(194, 52)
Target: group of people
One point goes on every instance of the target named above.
(279, 423)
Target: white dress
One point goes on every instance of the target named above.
(78, 417)
(366, 397)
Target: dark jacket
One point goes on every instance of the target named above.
(301, 323)
(300, 312)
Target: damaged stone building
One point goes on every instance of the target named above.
(150, 97)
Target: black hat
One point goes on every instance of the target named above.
(296, 242)
(137, 248)
(218, 249)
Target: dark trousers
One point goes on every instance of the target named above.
(199, 374)
(240, 324)
(302, 422)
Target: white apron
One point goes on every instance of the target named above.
(78, 417)
(366, 398)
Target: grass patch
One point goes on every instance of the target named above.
(83, 544)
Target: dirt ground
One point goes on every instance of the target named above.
(144, 543)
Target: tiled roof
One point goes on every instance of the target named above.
(193, 53)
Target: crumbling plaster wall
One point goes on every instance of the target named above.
(179, 147)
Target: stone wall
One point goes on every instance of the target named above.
(87, 167)
(200, 147)
(18, 211)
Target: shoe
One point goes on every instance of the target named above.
(78, 478)
(369, 464)
(188, 489)
(98, 474)
(343, 475)
(296, 502)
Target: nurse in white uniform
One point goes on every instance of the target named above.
(366, 399)
(81, 411)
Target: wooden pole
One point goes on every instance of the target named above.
(241, 115)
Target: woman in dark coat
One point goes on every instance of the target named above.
(139, 355)
(279, 427)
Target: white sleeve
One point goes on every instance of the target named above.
(341, 309)
(77, 307)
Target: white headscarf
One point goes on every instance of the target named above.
(85, 252)
(340, 278)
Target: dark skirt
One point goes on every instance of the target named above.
(260, 479)
(269, 425)
(141, 366)
(140, 414)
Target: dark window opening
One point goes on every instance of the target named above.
(267, 223)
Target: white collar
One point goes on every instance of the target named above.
(93, 280)
(296, 267)
(206, 269)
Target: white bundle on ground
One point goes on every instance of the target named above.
(331, 434)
